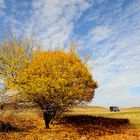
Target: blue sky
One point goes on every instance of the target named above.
(107, 30)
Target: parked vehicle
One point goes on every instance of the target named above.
(114, 108)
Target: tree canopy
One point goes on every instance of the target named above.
(57, 77)
(14, 56)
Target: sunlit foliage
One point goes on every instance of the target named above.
(14, 56)
(53, 80)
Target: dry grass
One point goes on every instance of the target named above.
(82, 123)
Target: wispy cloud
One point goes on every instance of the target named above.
(117, 59)
(98, 34)
(16, 17)
(107, 30)
(2, 6)
(53, 21)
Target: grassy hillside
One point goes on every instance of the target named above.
(133, 113)
(82, 123)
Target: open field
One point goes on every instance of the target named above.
(133, 114)
(82, 123)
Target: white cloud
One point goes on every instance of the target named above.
(116, 62)
(53, 21)
(16, 17)
(2, 3)
(121, 100)
(98, 34)
(92, 17)
(2, 6)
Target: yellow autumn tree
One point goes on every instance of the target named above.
(15, 55)
(55, 81)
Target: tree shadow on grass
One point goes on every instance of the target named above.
(23, 126)
(7, 127)
(98, 126)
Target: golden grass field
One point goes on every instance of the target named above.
(81, 123)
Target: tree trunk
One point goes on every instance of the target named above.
(47, 118)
